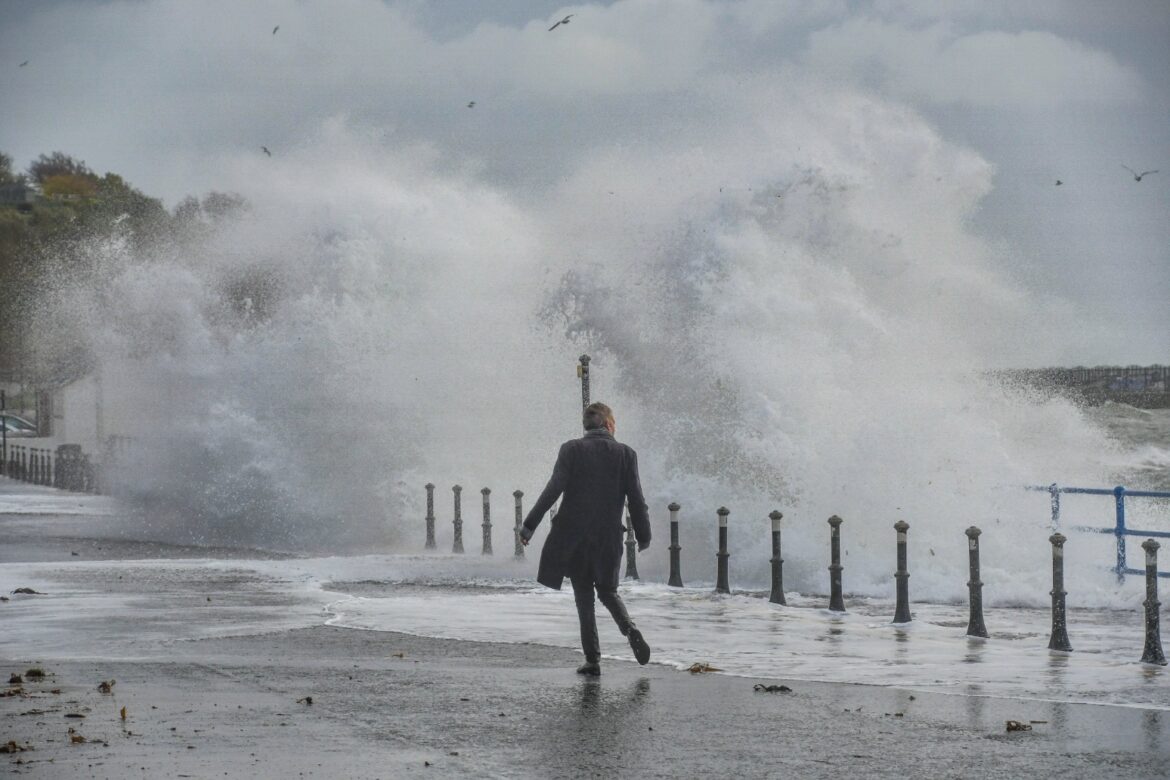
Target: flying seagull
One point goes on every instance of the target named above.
(1059, 182)
(1137, 176)
(471, 104)
(265, 150)
(562, 21)
(21, 65)
(274, 29)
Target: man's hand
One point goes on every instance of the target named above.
(643, 546)
(525, 535)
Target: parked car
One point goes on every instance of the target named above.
(18, 426)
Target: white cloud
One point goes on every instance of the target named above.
(986, 68)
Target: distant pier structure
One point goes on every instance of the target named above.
(1146, 387)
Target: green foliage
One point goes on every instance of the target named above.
(56, 164)
(7, 175)
(51, 244)
(68, 185)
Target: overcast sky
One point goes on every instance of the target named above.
(179, 96)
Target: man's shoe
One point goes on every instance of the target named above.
(591, 668)
(641, 649)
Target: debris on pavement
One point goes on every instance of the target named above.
(1015, 725)
(772, 688)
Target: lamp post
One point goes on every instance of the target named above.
(583, 372)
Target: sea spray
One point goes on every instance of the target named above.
(786, 311)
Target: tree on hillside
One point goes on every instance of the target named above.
(215, 207)
(57, 245)
(119, 197)
(7, 175)
(69, 184)
(222, 205)
(194, 220)
(57, 164)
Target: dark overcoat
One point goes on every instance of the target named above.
(597, 476)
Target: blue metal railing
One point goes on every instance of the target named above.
(1119, 528)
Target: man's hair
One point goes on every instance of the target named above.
(596, 415)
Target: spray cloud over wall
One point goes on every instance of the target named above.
(785, 309)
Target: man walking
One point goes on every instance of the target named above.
(597, 476)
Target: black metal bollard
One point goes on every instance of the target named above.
(975, 625)
(777, 596)
(631, 551)
(583, 372)
(430, 545)
(519, 494)
(675, 580)
(902, 576)
(1059, 640)
(487, 522)
(721, 585)
(457, 547)
(1152, 652)
(836, 600)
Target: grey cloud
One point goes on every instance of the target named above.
(988, 68)
(179, 97)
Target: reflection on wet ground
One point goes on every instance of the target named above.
(739, 634)
(749, 636)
